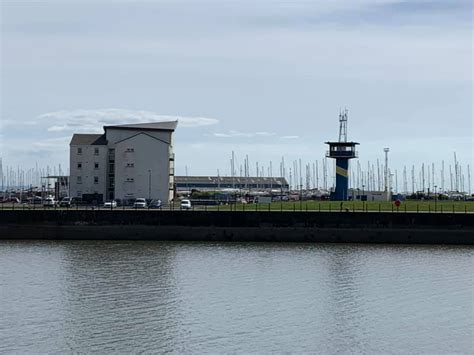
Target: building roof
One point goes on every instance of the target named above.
(152, 126)
(229, 180)
(342, 144)
(88, 139)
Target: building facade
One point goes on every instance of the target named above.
(362, 195)
(123, 163)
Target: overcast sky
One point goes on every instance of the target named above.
(264, 78)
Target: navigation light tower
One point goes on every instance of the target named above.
(342, 151)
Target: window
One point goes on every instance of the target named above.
(130, 150)
(96, 165)
(79, 150)
(96, 179)
(130, 165)
(79, 165)
(79, 193)
(130, 179)
(96, 151)
(79, 180)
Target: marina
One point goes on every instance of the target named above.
(236, 177)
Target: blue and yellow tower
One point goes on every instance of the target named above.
(342, 151)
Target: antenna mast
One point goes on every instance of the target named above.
(386, 172)
(343, 126)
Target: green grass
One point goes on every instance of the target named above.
(409, 206)
(371, 206)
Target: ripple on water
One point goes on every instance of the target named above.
(214, 297)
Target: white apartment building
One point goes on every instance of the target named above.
(126, 162)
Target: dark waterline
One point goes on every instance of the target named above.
(113, 297)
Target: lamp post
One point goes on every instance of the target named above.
(435, 196)
(362, 197)
(149, 184)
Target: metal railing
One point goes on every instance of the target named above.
(293, 206)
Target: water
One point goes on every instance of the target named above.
(121, 297)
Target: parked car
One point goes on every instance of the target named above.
(65, 202)
(77, 201)
(11, 200)
(36, 200)
(49, 202)
(110, 204)
(155, 204)
(185, 205)
(139, 203)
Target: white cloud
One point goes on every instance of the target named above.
(4, 123)
(93, 120)
(51, 144)
(233, 134)
(289, 137)
(264, 134)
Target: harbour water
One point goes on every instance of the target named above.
(121, 297)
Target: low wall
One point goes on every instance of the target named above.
(362, 227)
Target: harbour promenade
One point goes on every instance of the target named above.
(239, 226)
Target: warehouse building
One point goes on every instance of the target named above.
(213, 183)
(123, 163)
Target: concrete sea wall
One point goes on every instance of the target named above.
(345, 227)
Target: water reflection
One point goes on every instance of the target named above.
(119, 291)
(113, 297)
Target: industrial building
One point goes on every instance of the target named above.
(123, 163)
(215, 183)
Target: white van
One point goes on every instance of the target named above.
(139, 203)
(49, 202)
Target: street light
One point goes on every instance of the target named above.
(362, 197)
(435, 197)
(149, 184)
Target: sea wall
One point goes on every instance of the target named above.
(347, 227)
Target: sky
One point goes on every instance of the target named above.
(261, 78)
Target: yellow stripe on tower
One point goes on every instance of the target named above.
(341, 171)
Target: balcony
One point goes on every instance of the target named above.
(348, 154)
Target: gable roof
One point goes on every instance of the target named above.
(152, 126)
(142, 133)
(88, 139)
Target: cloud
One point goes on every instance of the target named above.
(25, 152)
(93, 120)
(4, 123)
(51, 144)
(233, 134)
(236, 134)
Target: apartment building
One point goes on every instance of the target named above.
(125, 162)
